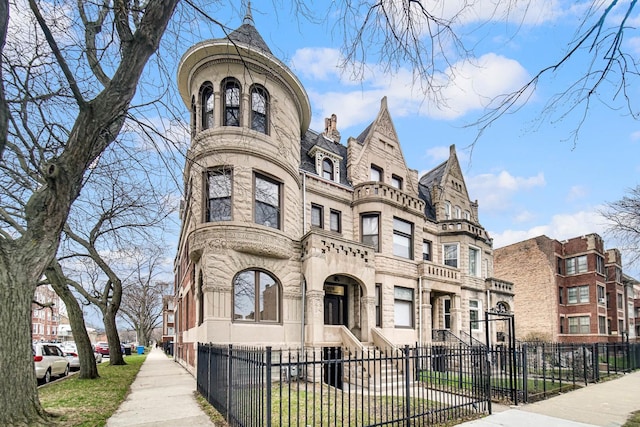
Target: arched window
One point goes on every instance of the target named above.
(193, 116)
(259, 109)
(256, 297)
(327, 168)
(231, 113)
(206, 103)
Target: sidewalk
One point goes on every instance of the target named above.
(606, 404)
(161, 395)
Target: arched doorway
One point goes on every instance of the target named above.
(344, 303)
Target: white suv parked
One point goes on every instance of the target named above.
(49, 361)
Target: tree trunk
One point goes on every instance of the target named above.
(88, 368)
(18, 384)
(110, 328)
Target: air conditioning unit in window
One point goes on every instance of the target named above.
(602, 301)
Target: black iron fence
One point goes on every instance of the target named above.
(426, 385)
(545, 369)
(331, 386)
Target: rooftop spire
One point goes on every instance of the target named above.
(248, 18)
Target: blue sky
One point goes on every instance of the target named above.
(529, 173)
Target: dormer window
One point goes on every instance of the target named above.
(327, 163)
(206, 103)
(259, 109)
(327, 169)
(231, 114)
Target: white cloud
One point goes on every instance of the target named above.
(635, 136)
(438, 154)
(560, 227)
(524, 216)
(466, 86)
(577, 192)
(494, 190)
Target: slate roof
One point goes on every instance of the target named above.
(307, 163)
(248, 35)
(426, 183)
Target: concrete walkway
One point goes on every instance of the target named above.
(161, 395)
(606, 404)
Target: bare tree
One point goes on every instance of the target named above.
(63, 106)
(61, 285)
(623, 217)
(142, 294)
(121, 206)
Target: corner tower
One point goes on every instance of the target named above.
(238, 256)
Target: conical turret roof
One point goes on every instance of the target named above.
(248, 35)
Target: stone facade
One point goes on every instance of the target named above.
(568, 291)
(291, 238)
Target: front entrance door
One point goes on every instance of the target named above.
(335, 305)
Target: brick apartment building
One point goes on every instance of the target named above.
(568, 291)
(45, 316)
(291, 238)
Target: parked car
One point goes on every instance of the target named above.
(74, 359)
(69, 346)
(102, 348)
(49, 361)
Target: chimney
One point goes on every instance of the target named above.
(331, 129)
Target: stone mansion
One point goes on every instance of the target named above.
(297, 238)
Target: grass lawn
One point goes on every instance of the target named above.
(633, 421)
(91, 402)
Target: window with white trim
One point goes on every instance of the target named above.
(370, 230)
(403, 307)
(475, 306)
(426, 250)
(474, 261)
(402, 238)
(578, 294)
(601, 295)
(576, 265)
(450, 254)
(579, 325)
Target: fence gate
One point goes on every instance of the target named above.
(502, 359)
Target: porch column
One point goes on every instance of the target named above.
(456, 315)
(314, 316)
(368, 316)
(427, 315)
